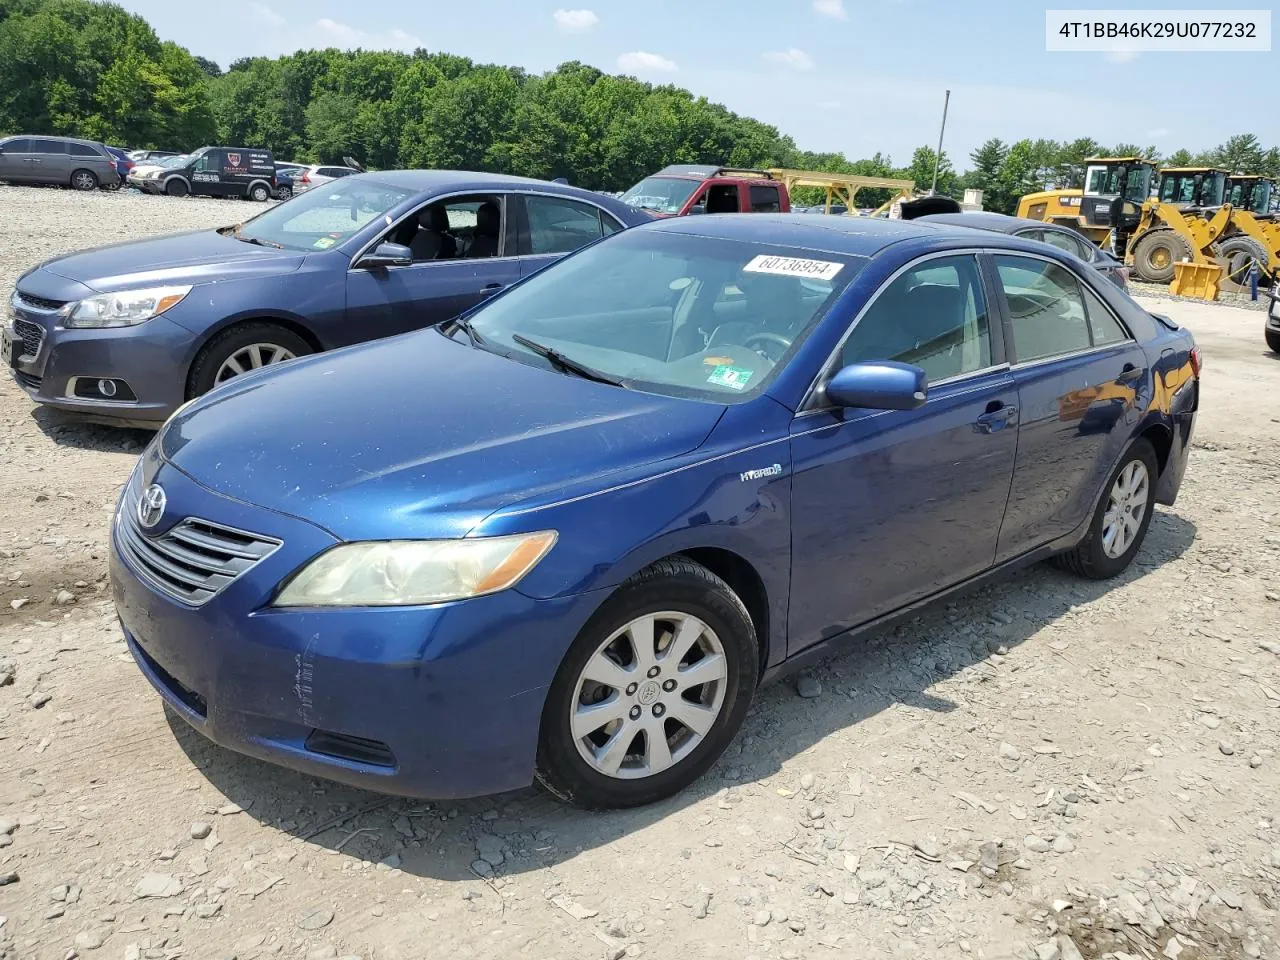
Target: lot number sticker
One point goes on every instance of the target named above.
(794, 267)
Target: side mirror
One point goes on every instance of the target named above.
(697, 208)
(388, 255)
(879, 385)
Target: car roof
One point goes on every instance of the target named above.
(853, 236)
(425, 181)
(987, 220)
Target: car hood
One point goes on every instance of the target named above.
(196, 257)
(419, 436)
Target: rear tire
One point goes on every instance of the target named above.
(216, 363)
(673, 601)
(1273, 340)
(1156, 252)
(1100, 555)
(85, 180)
(259, 193)
(176, 188)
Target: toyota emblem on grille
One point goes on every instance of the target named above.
(151, 506)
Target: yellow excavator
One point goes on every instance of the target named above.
(1111, 184)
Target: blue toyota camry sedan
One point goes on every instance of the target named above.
(565, 535)
(128, 333)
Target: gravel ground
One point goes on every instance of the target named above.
(1048, 768)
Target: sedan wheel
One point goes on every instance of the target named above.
(251, 357)
(649, 695)
(1126, 507)
(651, 691)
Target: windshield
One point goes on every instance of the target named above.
(687, 316)
(1105, 181)
(660, 194)
(169, 162)
(324, 217)
(1262, 197)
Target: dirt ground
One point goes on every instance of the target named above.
(1049, 768)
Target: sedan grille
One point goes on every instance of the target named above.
(32, 302)
(32, 336)
(194, 560)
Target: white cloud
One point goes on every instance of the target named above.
(640, 62)
(264, 13)
(575, 21)
(1122, 56)
(831, 8)
(792, 57)
(348, 36)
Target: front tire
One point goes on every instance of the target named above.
(1156, 252)
(176, 188)
(241, 349)
(1273, 340)
(1120, 523)
(651, 692)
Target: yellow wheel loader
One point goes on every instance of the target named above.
(1183, 221)
(1111, 184)
(1253, 234)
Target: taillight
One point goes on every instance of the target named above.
(306, 178)
(1197, 362)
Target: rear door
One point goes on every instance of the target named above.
(549, 227)
(384, 301)
(49, 160)
(1082, 382)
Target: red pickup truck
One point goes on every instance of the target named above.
(682, 189)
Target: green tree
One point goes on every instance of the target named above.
(1240, 154)
(921, 171)
(1179, 158)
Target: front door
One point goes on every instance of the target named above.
(459, 261)
(206, 174)
(1081, 382)
(15, 159)
(891, 506)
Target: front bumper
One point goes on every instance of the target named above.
(150, 358)
(1273, 314)
(441, 702)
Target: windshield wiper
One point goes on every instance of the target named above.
(567, 364)
(259, 241)
(463, 324)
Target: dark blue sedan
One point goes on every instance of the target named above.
(568, 534)
(130, 332)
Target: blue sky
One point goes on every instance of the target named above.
(834, 74)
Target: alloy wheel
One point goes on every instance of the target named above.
(1126, 507)
(251, 357)
(649, 695)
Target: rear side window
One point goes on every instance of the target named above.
(1103, 325)
(557, 225)
(765, 200)
(48, 146)
(1064, 241)
(1046, 308)
(934, 315)
(84, 150)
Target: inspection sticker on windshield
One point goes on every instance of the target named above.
(794, 267)
(324, 243)
(735, 378)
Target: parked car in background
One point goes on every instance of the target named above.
(143, 171)
(1064, 238)
(284, 183)
(689, 188)
(217, 172)
(567, 534)
(57, 161)
(1272, 329)
(146, 156)
(130, 332)
(124, 165)
(319, 174)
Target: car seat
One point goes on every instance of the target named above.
(484, 241)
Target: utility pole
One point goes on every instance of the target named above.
(937, 160)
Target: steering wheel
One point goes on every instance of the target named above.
(781, 343)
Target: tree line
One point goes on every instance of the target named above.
(91, 69)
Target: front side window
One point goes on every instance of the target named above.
(934, 315)
(557, 225)
(1046, 308)
(19, 145)
(459, 228)
(709, 319)
(324, 217)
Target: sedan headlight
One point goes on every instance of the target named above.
(409, 572)
(122, 309)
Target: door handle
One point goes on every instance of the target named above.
(1129, 374)
(997, 416)
(492, 287)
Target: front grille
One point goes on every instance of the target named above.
(194, 560)
(37, 303)
(32, 336)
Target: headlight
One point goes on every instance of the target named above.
(122, 309)
(408, 572)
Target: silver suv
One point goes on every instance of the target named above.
(63, 161)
